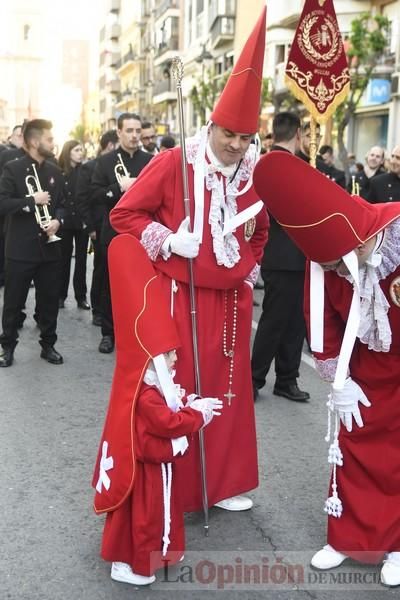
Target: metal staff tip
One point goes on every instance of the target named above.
(177, 69)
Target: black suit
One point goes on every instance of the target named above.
(106, 192)
(364, 182)
(92, 215)
(7, 153)
(73, 233)
(384, 188)
(28, 254)
(281, 328)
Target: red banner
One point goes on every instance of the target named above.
(317, 72)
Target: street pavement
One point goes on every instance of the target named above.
(50, 424)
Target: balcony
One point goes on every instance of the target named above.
(114, 6)
(114, 31)
(221, 8)
(164, 90)
(127, 61)
(164, 5)
(222, 31)
(171, 46)
(114, 86)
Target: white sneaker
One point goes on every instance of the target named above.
(122, 572)
(235, 503)
(327, 558)
(390, 572)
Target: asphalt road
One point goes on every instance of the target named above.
(50, 423)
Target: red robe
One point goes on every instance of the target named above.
(230, 441)
(133, 532)
(369, 480)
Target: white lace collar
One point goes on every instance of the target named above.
(374, 329)
(224, 190)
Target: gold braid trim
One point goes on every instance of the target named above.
(244, 71)
(337, 214)
(301, 95)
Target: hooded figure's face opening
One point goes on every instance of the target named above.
(228, 146)
(170, 359)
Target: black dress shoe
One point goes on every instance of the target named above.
(106, 345)
(83, 304)
(256, 393)
(51, 355)
(22, 317)
(291, 391)
(7, 358)
(96, 320)
(61, 303)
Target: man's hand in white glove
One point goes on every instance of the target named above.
(209, 407)
(183, 242)
(345, 402)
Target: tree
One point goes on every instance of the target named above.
(207, 90)
(204, 94)
(367, 44)
(79, 133)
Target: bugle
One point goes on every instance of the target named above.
(120, 170)
(42, 214)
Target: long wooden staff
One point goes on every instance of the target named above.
(177, 72)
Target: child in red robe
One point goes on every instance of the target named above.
(146, 426)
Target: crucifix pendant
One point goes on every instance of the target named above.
(229, 395)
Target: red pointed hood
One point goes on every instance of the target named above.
(238, 108)
(322, 219)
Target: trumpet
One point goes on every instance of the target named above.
(120, 170)
(42, 214)
(355, 186)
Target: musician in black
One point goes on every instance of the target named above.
(74, 229)
(281, 329)
(92, 214)
(12, 151)
(386, 186)
(28, 185)
(113, 175)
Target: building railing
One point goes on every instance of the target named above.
(171, 44)
(164, 5)
(223, 27)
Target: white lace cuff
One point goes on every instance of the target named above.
(326, 369)
(152, 239)
(253, 275)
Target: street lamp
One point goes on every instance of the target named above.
(205, 55)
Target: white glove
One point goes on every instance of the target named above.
(209, 407)
(183, 242)
(345, 402)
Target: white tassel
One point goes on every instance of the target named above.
(333, 505)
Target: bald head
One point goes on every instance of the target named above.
(394, 162)
(375, 157)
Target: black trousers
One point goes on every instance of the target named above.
(18, 276)
(281, 328)
(1, 253)
(68, 237)
(107, 325)
(99, 271)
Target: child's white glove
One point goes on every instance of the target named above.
(345, 402)
(207, 406)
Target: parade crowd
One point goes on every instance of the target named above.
(327, 246)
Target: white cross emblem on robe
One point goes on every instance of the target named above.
(106, 463)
